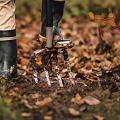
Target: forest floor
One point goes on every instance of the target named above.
(96, 93)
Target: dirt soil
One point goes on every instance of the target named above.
(96, 93)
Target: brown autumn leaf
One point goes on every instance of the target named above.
(23, 61)
(35, 96)
(102, 20)
(17, 90)
(38, 61)
(12, 93)
(111, 20)
(48, 117)
(98, 117)
(43, 102)
(73, 112)
(99, 19)
(26, 103)
(91, 100)
(91, 15)
(74, 61)
(64, 70)
(77, 99)
(116, 44)
(72, 73)
(25, 114)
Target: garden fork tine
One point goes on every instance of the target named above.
(57, 69)
(47, 77)
(67, 63)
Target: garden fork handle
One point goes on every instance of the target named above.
(49, 23)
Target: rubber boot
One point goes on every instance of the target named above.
(58, 8)
(8, 54)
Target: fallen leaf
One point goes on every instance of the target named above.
(26, 114)
(77, 98)
(23, 61)
(18, 90)
(64, 70)
(73, 74)
(47, 117)
(116, 44)
(27, 104)
(74, 61)
(73, 112)
(43, 102)
(38, 61)
(82, 108)
(12, 93)
(35, 96)
(91, 100)
(98, 117)
(91, 15)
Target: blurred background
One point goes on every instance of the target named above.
(73, 7)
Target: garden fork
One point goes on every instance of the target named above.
(43, 59)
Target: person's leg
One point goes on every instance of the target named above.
(58, 8)
(8, 47)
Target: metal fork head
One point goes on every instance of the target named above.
(43, 59)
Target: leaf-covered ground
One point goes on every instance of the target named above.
(96, 94)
